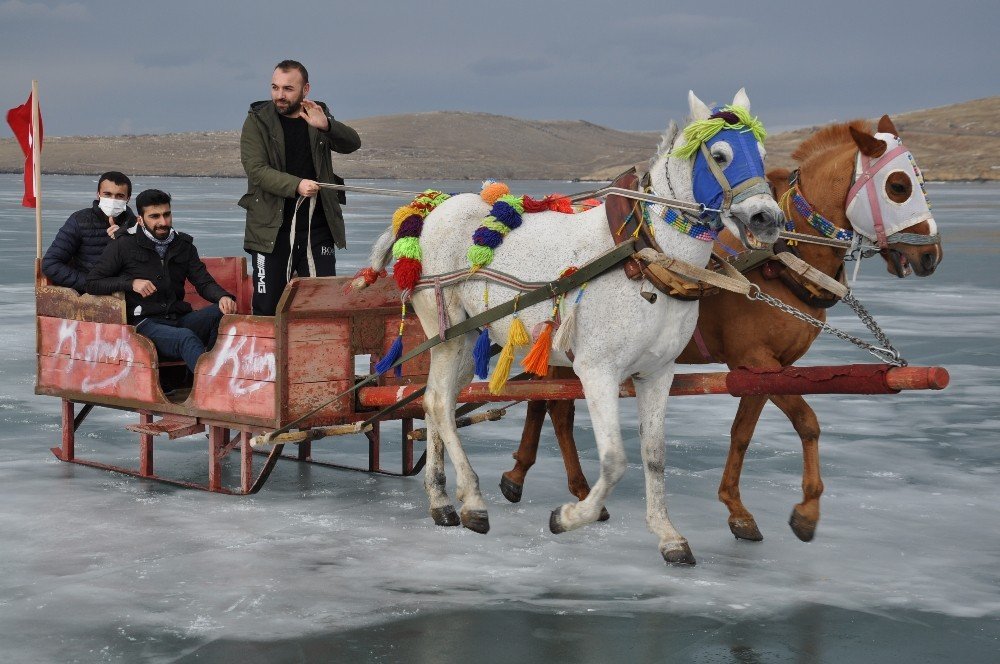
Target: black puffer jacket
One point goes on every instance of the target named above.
(78, 245)
(133, 256)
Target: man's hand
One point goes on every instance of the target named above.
(227, 305)
(143, 287)
(308, 188)
(112, 229)
(314, 115)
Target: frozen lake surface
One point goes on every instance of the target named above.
(325, 565)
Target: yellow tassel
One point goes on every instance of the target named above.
(537, 359)
(518, 335)
(502, 371)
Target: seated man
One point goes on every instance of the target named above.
(150, 264)
(82, 239)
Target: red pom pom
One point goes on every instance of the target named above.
(407, 272)
(559, 203)
(531, 205)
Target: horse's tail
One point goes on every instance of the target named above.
(377, 262)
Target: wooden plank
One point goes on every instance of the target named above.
(319, 361)
(333, 330)
(230, 272)
(64, 374)
(303, 397)
(231, 397)
(326, 294)
(59, 302)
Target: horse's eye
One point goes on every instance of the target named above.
(719, 158)
(897, 188)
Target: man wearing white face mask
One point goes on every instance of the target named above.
(82, 239)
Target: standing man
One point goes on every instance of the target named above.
(82, 239)
(285, 149)
(150, 265)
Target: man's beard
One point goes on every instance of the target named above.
(161, 232)
(292, 109)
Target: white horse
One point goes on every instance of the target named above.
(619, 334)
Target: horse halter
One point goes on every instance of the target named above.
(873, 214)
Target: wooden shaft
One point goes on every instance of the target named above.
(492, 415)
(309, 434)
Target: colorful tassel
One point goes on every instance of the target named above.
(537, 359)
(395, 350)
(493, 190)
(502, 371)
(481, 353)
(518, 334)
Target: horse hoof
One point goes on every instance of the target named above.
(803, 527)
(478, 521)
(746, 529)
(678, 554)
(555, 522)
(445, 516)
(510, 490)
(604, 514)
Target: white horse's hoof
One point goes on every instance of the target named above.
(556, 523)
(678, 554)
(445, 516)
(478, 521)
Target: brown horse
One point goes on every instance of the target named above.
(744, 333)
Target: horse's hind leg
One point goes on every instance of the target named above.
(651, 394)
(562, 413)
(741, 521)
(451, 367)
(805, 515)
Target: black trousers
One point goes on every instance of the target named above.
(270, 270)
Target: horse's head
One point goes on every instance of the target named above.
(888, 198)
(718, 162)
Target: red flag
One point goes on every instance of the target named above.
(19, 119)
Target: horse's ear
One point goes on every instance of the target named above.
(741, 99)
(699, 111)
(868, 144)
(885, 126)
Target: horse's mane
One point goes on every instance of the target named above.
(831, 137)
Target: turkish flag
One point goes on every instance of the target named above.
(19, 119)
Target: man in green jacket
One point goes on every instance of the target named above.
(285, 149)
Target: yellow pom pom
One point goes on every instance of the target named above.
(493, 191)
(399, 215)
(518, 335)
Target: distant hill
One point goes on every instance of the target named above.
(957, 142)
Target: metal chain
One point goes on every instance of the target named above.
(886, 353)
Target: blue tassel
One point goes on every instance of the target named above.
(395, 352)
(481, 354)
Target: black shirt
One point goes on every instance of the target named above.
(299, 162)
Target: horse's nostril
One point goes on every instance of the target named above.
(758, 220)
(928, 260)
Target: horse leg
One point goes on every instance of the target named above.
(741, 521)
(602, 400)
(562, 414)
(651, 394)
(441, 509)
(805, 515)
(512, 482)
(451, 367)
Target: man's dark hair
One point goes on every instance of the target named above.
(117, 178)
(151, 197)
(289, 65)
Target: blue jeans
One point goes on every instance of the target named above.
(186, 337)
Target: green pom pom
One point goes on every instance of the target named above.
(407, 247)
(516, 202)
(494, 225)
(480, 256)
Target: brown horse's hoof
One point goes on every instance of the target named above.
(803, 527)
(746, 529)
(478, 521)
(510, 490)
(555, 522)
(678, 555)
(445, 516)
(605, 515)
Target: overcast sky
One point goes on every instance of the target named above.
(117, 67)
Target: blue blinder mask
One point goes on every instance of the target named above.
(746, 164)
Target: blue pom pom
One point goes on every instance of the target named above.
(506, 214)
(395, 352)
(481, 354)
(487, 237)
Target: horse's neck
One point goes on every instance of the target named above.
(674, 243)
(824, 183)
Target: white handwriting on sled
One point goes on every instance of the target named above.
(97, 352)
(251, 370)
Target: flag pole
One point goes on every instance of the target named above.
(36, 159)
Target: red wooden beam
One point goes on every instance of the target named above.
(848, 379)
